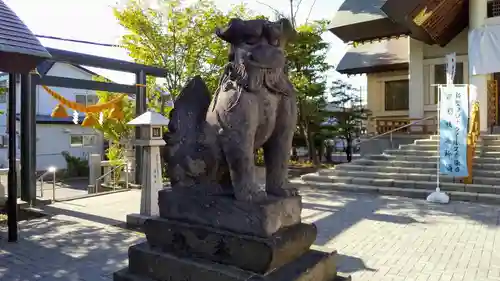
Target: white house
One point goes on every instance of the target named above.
(401, 47)
(55, 135)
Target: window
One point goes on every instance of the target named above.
(92, 99)
(89, 140)
(82, 140)
(4, 89)
(493, 8)
(396, 95)
(86, 99)
(4, 141)
(440, 76)
(81, 99)
(76, 140)
(3, 94)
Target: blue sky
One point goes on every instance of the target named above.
(93, 20)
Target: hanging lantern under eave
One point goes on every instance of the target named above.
(59, 112)
(89, 121)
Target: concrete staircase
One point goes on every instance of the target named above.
(411, 171)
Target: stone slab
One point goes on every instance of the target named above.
(125, 275)
(147, 263)
(262, 219)
(251, 253)
(136, 220)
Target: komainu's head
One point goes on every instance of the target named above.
(251, 32)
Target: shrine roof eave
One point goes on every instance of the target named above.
(383, 56)
(363, 20)
(374, 69)
(20, 50)
(369, 31)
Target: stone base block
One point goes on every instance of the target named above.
(251, 253)
(145, 263)
(136, 220)
(125, 275)
(263, 219)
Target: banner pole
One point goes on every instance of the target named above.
(437, 196)
(439, 139)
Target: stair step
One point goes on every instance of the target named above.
(432, 147)
(411, 171)
(417, 164)
(490, 136)
(477, 171)
(436, 152)
(426, 185)
(432, 177)
(488, 140)
(429, 158)
(395, 191)
(426, 142)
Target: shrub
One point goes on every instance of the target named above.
(75, 166)
(259, 157)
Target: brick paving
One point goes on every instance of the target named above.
(378, 238)
(391, 238)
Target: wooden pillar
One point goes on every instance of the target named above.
(28, 176)
(416, 83)
(12, 177)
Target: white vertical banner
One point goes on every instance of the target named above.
(451, 65)
(453, 122)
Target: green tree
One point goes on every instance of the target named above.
(3, 93)
(307, 68)
(115, 130)
(118, 134)
(350, 114)
(179, 37)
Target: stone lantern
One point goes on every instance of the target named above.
(151, 139)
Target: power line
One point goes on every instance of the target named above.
(77, 41)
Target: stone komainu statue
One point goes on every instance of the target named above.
(211, 144)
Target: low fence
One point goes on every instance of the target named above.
(105, 175)
(380, 125)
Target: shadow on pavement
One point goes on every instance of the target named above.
(61, 249)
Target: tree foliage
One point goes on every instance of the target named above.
(115, 130)
(179, 37)
(353, 113)
(349, 113)
(308, 69)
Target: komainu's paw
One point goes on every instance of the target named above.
(282, 192)
(251, 194)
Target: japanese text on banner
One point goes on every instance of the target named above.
(453, 120)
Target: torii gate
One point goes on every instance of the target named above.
(22, 58)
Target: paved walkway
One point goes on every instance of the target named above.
(63, 190)
(378, 238)
(390, 238)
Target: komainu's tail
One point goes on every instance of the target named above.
(186, 159)
(190, 108)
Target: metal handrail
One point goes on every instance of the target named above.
(397, 129)
(109, 172)
(40, 179)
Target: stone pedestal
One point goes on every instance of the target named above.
(205, 238)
